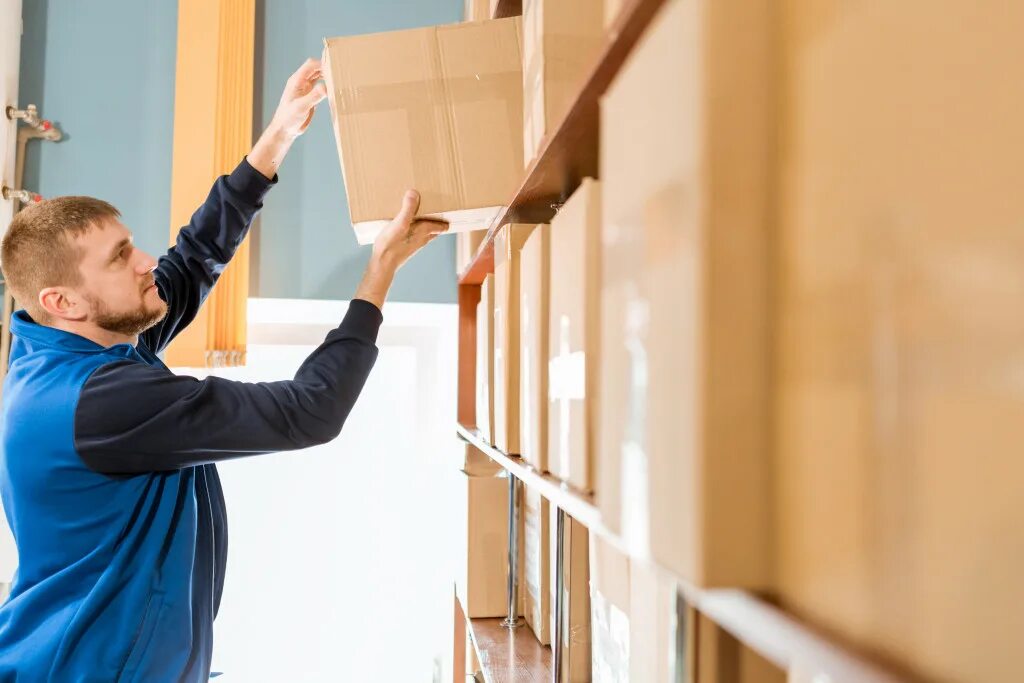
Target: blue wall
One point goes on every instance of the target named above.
(104, 70)
(306, 247)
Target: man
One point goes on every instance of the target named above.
(106, 473)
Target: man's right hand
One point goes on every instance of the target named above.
(403, 237)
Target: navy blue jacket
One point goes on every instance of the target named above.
(107, 475)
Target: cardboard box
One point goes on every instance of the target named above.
(476, 10)
(686, 169)
(573, 337)
(484, 359)
(482, 582)
(900, 413)
(575, 629)
(537, 564)
(561, 42)
(723, 659)
(478, 464)
(438, 109)
(609, 612)
(534, 286)
(612, 9)
(507, 245)
(653, 625)
(466, 246)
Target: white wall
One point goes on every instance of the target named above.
(341, 556)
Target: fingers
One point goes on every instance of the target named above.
(410, 204)
(313, 97)
(309, 71)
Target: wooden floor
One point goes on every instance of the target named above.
(508, 655)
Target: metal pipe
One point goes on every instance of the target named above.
(30, 115)
(556, 638)
(513, 620)
(23, 196)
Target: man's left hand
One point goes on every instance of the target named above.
(301, 95)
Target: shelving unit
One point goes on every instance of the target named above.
(567, 156)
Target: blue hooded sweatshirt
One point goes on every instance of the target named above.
(107, 475)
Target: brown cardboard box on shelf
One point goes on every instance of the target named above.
(612, 9)
(478, 464)
(507, 245)
(466, 246)
(537, 564)
(438, 109)
(652, 618)
(481, 584)
(901, 339)
(609, 611)
(723, 659)
(534, 285)
(575, 634)
(573, 337)
(684, 441)
(484, 360)
(561, 42)
(476, 10)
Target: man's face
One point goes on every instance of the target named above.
(117, 280)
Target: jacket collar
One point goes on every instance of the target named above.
(23, 326)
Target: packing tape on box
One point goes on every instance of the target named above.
(635, 470)
(566, 382)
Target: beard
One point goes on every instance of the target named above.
(129, 323)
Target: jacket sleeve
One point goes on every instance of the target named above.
(187, 273)
(132, 417)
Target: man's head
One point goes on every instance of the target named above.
(70, 261)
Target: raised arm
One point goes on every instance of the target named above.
(132, 417)
(189, 270)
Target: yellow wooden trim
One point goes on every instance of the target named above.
(212, 132)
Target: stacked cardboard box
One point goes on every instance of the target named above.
(466, 246)
(484, 359)
(438, 109)
(901, 414)
(612, 9)
(685, 141)
(723, 659)
(573, 337)
(561, 41)
(476, 10)
(536, 581)
(575, 631)
(478, 464)
(481, 583)
(653, 625)
(609, 612)
(507, 246)
(534, 285)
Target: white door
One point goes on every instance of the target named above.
(10, 50)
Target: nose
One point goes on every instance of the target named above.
(145, 264)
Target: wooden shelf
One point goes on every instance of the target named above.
(578, 505)
(509, 655)
(784, 640)
(765, 628)
(571, 152)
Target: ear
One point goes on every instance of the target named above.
(63, 303)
